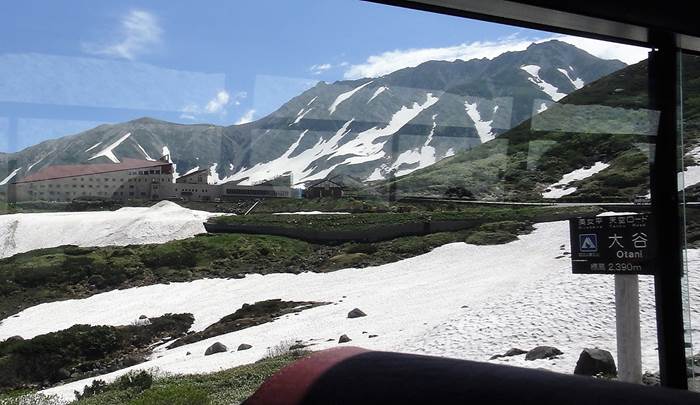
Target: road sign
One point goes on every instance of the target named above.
(617, 244)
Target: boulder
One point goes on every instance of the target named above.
(652, 379)
(510, 353)
(356, 313)
(594, 362)
(244, 346)
(344, 339)
(542, 352)
(216, 348)
(143, 317)
(514, 352)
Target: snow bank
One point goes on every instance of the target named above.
(160, 223)
(459, 300)
(561, 188)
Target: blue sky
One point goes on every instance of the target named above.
(65, 66)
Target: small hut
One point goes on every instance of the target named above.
(326, 188)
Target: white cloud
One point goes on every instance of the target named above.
(391, 61)
(318, 69)
(140, 31)
(246, 118)
(239, 96)
(607, 50)
(218, 103)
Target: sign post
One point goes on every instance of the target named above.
(629, 342)
(625, 246)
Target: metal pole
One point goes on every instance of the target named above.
(663, 97)
(629, 345)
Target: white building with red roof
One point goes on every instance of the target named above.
(131, 179)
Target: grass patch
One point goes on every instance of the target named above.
(370, 221)
(83, 351)
(226, 387)
(247, 316)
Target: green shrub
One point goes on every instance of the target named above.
(490, 238)
(366, 248)
(185, 394)
(140, 381)
(97, 387)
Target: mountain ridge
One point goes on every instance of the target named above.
(367, 128)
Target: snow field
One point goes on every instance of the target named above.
(458, 300)
(159, 223)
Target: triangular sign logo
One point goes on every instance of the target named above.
(588, 242)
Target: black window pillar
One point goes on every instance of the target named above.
(664, 90)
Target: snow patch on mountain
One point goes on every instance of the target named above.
(483, 128)
(10, 176)
(577, 83)
(312, 101)
(375, 175)
(145, 154)
(284, 164)
(166, 153)
(213, 175)
(192, 170)
(301, 115)
(160, 223)
(377, 92)
(561, 188)
(344, 96)
(108, 152)
(300, 165)
(417, 158)
(551, 90)
(93, 147)
(519, 294)
(367, 146)
(34, 164)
